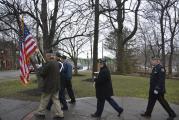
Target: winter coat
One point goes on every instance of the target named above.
(67, 71)
(103, 83)
(157, 79)
(51, 77)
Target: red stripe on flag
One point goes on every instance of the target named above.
(29, 45)
(27, 40)
(27, 48)
(31, 52)
(23, 66)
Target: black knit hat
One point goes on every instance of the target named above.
(63, 57)
(102, 60)
(155, 58)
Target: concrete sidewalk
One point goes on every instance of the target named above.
(15, 109)
(9, 75)
(23, 110)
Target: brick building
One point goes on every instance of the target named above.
(8, 56)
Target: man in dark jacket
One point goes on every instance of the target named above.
(157, 90)
(51, 86)
(62, 85)
(104, 90)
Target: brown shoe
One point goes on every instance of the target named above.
(58, 118)
(39, 114)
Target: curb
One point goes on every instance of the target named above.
(28, 116)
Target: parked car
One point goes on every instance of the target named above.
(79, 66)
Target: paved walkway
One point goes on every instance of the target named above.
(23, 110)
(9, 75)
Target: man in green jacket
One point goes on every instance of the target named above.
(51, 85)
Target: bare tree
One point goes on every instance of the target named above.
(160, 7)
(73, 48)
(116, 12)
(173, 23)
(74, 40)
(52, 20)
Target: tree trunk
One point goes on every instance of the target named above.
(43, 16)
(120, 60)
(173, 33)
(120, 46)
(170, 64)
(14, 54)
(91, 45)
(162, 39)
(96, 32)
(48, 35)
(121, 40)
(171, 56)
(145, 53)
(75, 67)
(53, 25)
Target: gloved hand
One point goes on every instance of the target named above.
(155, 92)
(94, 78)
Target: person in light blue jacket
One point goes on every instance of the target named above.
(67, 73)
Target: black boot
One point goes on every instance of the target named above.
(171, 117)
(65, 108)
(120, 113)
(95, 115)
(72, 102)
(146, 115)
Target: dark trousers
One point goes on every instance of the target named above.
(160, 97)
(70, 90)
(62, 97)
(101, 102)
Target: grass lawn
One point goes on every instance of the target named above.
(123, 86)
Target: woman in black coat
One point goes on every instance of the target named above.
(104, 90)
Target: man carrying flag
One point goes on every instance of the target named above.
(49, 73)
(28, 46)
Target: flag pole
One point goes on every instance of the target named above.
(42, 56)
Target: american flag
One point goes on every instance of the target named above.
(27, 46)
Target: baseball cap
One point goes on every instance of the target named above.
(58, 54)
